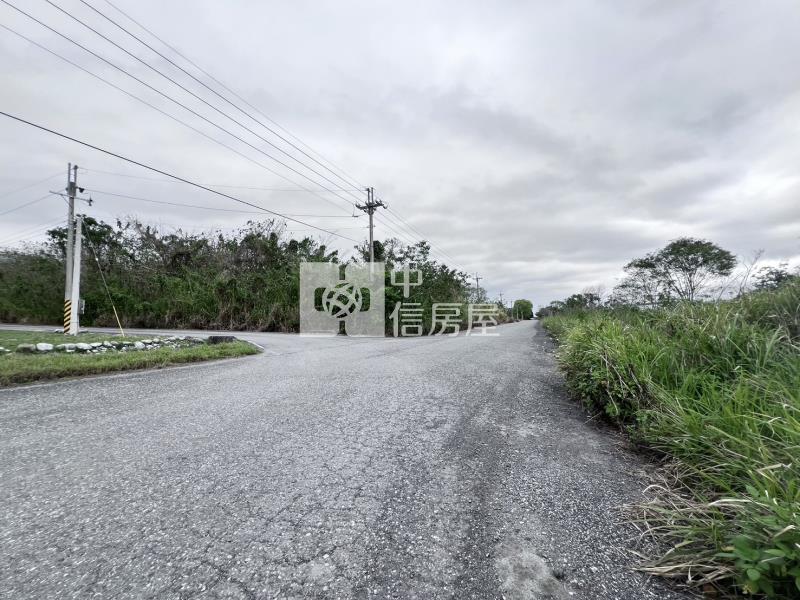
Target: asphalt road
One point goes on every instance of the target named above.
(322, 468)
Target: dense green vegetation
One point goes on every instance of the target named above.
(713, 389)
(522, 309)
(245, 280)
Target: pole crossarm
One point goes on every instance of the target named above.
(369, 207)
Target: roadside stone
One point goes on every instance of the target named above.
(121, 346)
(221, 339)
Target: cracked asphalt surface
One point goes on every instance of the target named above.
(322, 468)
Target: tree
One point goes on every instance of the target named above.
(437, 283)
(770, 278)
(582, 301)
(555, 307)
(523, 308)
(684, 269)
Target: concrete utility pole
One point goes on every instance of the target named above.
(75, 299)
(72, 184)
(72, 179)
(73, 256)
(477, 287)
(370, 207)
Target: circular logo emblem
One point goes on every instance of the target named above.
(342, 300)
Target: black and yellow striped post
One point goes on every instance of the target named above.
(67, 315)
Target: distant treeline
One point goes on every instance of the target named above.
(245, 280)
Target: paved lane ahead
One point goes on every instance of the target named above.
(436, 467)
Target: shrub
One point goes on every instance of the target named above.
(715, 390)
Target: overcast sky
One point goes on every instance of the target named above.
(541, 144)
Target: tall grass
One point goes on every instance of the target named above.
(714, 389)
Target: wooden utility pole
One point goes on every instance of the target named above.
(370, 207)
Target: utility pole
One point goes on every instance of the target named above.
(72, 276)
(72, 184)
(75, 298)
(370, 207)
(477, 287)
(72, 176)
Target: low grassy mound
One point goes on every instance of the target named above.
(713, 389)
(16, 368)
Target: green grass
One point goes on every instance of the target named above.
(25, 368)
(11, 339)
(714, 389)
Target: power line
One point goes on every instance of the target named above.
(347, 179)
(26, 203)
(30, 185)
(232, 92)
(163, 94)
(166, 114)
(173, 100)
(221, 185)
(263, 189)
(407, 236)
(395, 218)
(20, 236)
(138, 39)
(213, 208)
(197, 97)
(166, 174)
(389, 226)
(410, 228)
(104, 193)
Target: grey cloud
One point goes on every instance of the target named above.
(543, 145)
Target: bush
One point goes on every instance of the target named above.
(715, 390)
(249, 279)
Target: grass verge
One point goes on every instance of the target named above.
(12, 338)
(25, 368)
(713, 389)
